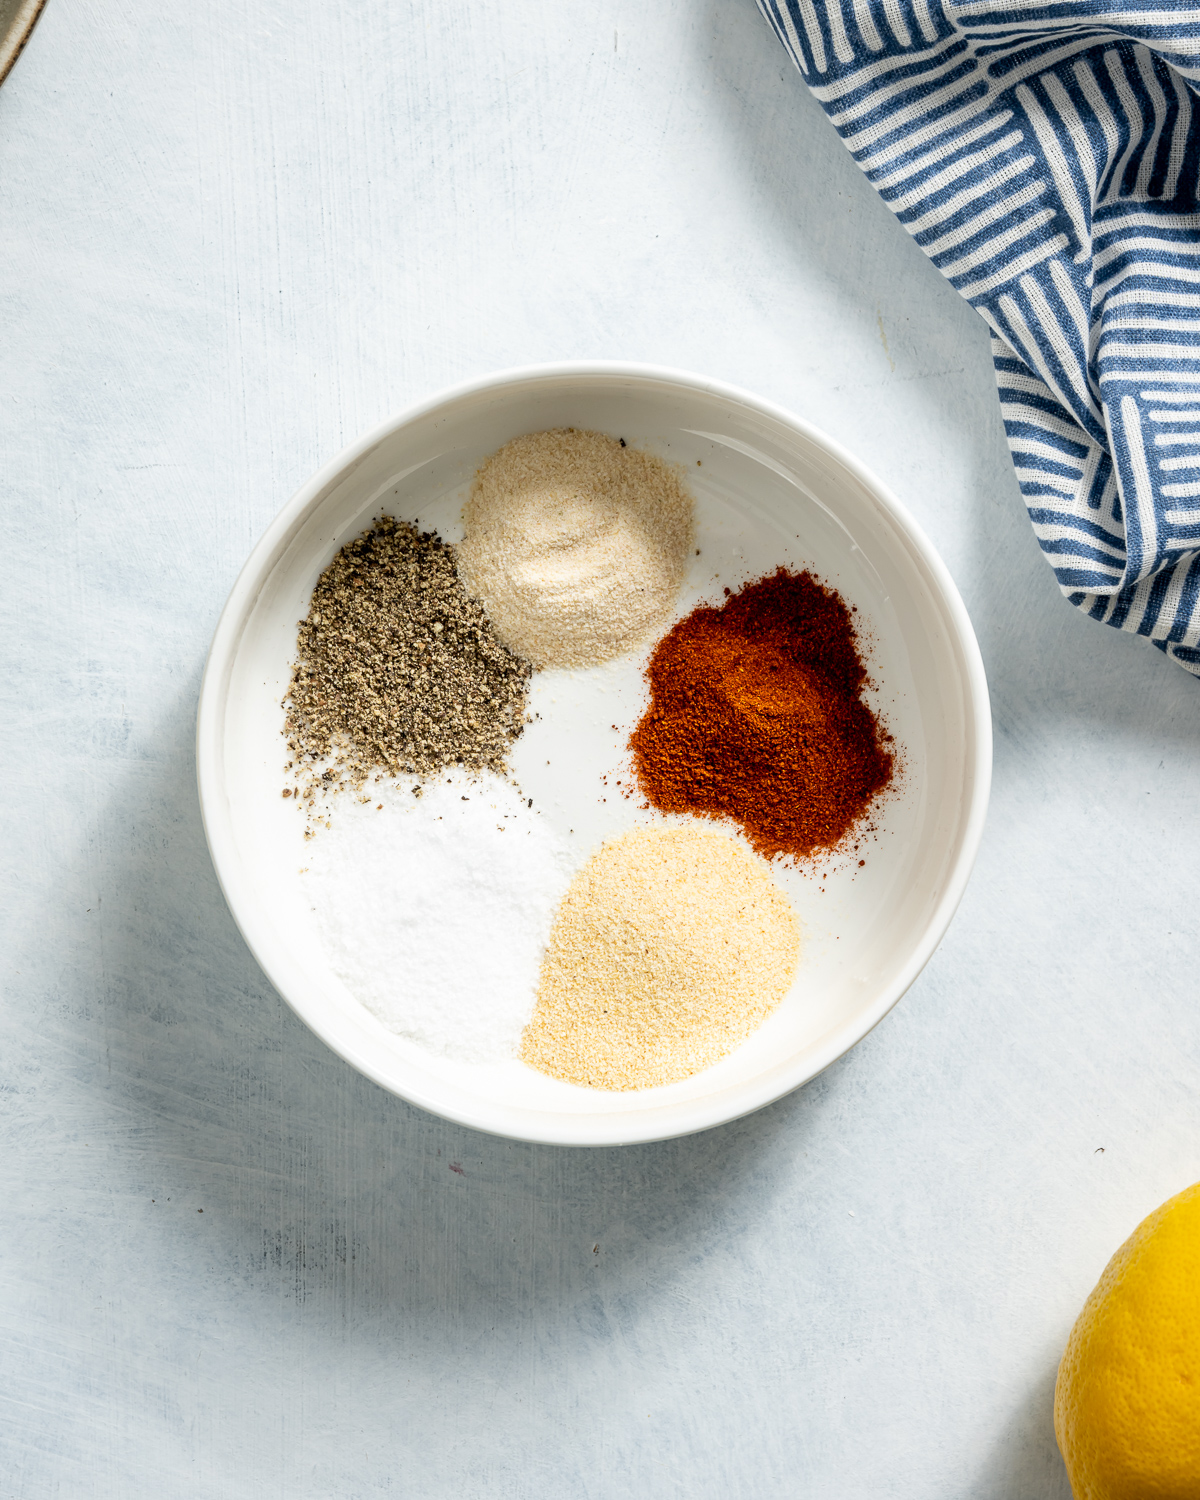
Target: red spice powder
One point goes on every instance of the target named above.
(756, 714)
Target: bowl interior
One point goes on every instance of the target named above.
(767, 491)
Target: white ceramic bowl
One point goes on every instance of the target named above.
(770, 489)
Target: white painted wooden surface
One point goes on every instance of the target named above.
(231, 237)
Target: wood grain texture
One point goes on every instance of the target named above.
(233, 237)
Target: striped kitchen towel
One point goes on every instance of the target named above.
(1045, 157)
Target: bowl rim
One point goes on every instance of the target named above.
(260, 935)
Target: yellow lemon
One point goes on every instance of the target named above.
(1127, 1401)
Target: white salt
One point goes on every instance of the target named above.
(435, 911)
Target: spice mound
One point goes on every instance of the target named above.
(756, 714)
(671, 946)
(398, 668)
(576, 544)
(435, 913)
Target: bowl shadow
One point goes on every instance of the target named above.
(1025, 1463)
(319, 1185)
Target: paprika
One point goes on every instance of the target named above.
(756, 714)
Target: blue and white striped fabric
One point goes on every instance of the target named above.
(1045, 157)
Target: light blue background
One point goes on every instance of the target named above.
(233, 236)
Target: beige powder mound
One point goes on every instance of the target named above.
(671, 946)
(576, 545)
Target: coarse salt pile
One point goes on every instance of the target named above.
(671, 947)
(576, 544)
(435, 911)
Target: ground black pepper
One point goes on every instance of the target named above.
(398, 669)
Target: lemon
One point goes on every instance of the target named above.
(1127, 1401)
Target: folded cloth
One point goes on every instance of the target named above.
(1045, 157)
